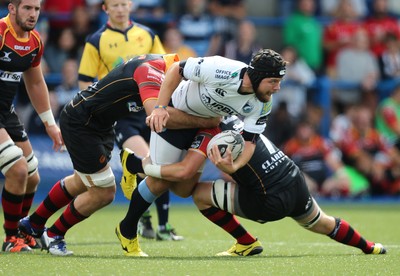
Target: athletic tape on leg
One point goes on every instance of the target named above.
(145, 192)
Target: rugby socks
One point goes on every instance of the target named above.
(68, 218)
(162, 204)
(12, 208)
(229, 223)
(27, 204)
(141, 200)
(345, 234)
(57, 198)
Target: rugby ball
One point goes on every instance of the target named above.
(227, 139)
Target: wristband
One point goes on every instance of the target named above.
(47, 118)
(153, 170)
(161, 106)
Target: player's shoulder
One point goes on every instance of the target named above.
(143, 27)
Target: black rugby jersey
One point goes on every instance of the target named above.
(120, 92)
(268, 171)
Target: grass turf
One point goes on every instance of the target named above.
(288, 249)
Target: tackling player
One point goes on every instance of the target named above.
(87, 127)
(268, 188)
(21, 50)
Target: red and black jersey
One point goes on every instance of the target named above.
(122, 91)
(16, 56)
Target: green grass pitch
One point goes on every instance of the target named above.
(288, 249)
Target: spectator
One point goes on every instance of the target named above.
(304, 32)
(338, 33)
(388, 117)
(61, 95)
(173, 43)
(57, 54)
(330, 7)
(357, 64)
(227, 14)
(319, 160)
(281, 124)
(366, 151)
(59, 14)
(389, 61)
(378, 24)
(299, 77)
(196, 26)
(244, 44)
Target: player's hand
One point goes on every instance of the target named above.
(225, 164)
(55, 134)
(157, 120)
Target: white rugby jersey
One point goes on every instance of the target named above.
(212, 89)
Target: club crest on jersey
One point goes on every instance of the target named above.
(133, 107)
(248, 107)
(6, 57)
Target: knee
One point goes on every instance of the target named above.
(106, 196)
(18, 173)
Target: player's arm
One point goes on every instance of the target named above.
(176, 172)
(39, 96)
(158, 118)
(180, 119)
(226, 164)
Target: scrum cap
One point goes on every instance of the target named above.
(266, 63)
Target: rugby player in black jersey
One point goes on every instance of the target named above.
(269, 187)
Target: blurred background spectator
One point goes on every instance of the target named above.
(319, 160)
(338, 33)
(357, 64)
(380, 22)
(298, 79)
(196, 25)
(304, 32)
(227, 15)
(244, 43)
(173, 43)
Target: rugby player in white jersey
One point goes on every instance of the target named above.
(207, 87)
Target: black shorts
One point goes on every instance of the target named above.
(10, 122)
(292, 201)
(89, 149)
(134, 124)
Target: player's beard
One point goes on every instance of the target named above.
(23, 24)
(262, 97)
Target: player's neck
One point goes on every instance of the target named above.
(246, 86)
(18, 30)
(119, 26)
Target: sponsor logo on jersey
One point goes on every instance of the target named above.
(262, 120)
(10, 76)
(197, 142)
(6, 56)
(276, 159)
(248, 107)
(234, 75)
(134, 107)
(22, 48)
(222, 74)
(216, 107)
(220, 92)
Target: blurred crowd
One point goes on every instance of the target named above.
(353, 43)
